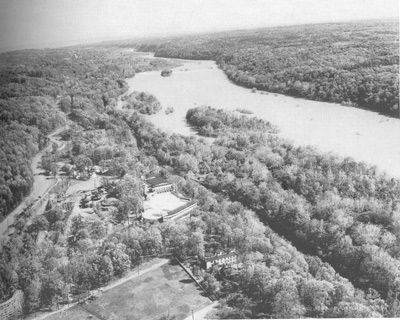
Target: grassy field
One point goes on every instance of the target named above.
(149, 296)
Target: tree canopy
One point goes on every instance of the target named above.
(353, 63)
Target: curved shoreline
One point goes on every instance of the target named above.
(345, 131)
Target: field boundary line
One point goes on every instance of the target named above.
(134, 274)
(194, 279)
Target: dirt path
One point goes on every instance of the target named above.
(40, 185)
(142, 269)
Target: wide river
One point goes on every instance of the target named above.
(346, 131)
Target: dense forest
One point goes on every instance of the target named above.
(277, 279)
(40, 91)
(354, 64)
(352, 234)
(345, 212)
(141, 101)
(318, 235)
(24, 125)
(35, 85)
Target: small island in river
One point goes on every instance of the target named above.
(166, 73)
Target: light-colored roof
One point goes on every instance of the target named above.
(183, 207)
(221, 256)
(152, 214)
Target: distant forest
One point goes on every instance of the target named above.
(354, 64)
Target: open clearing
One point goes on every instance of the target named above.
(149, 296)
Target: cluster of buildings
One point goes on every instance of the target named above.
(153, 190)
(154, 187)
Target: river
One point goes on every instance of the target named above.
(346, 131)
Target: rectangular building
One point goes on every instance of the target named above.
(158, 185)
(220, 259)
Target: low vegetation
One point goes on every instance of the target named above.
(169, 110)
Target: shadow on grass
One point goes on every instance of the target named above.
(204, 294)
(173, 261)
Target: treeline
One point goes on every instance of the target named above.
(268, 286)
(345, 212)
(82, 82)
(25, 123)
(210, 126)
(52, 257)
(143, 102)
(44, 256)
(353, 64)
(55, 255)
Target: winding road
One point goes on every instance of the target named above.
(40, 186)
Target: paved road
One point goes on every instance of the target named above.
(40, 185)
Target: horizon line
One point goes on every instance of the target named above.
(110, 39)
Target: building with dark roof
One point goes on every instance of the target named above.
(157, 185)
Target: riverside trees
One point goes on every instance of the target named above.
(333, 210)
(350, 63)
(274, 272)
(143, 102)
(343, 211)
(84, 84)
(35, 85)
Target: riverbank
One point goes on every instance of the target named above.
(346, 131)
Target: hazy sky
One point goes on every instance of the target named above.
(40, 23)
